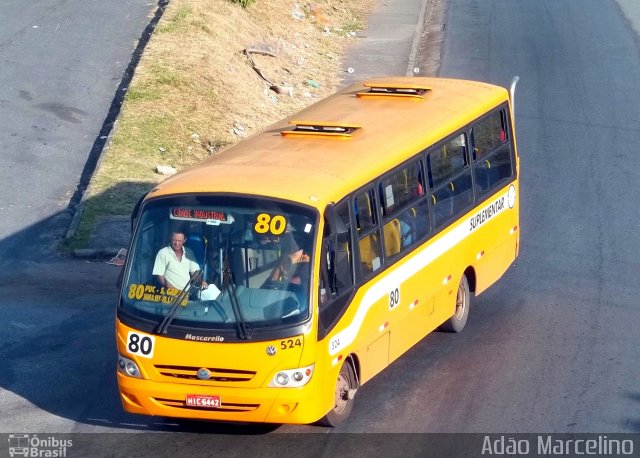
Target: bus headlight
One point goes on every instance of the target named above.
(282, 378)
(292, 378)
(128, 367)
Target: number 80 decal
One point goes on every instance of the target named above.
(268, 224)
(394, 298)
(140, 344)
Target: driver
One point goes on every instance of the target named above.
(175, 263)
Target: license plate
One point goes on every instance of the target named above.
(197, 400)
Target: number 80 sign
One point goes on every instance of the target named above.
(140, 344)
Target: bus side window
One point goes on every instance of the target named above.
(152, 238)
(336, 275)
(449, 179)
(488, 134)
(491, 151)
(405, 219)
(368, 232)
(343, 270)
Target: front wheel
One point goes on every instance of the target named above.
(463, 301)
(345, 390)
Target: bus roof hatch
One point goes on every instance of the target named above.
(384, 89)
(322, 129)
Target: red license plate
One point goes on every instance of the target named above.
(197, 400)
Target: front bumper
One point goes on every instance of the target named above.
(302, 405)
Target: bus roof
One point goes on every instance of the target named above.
(342, 142)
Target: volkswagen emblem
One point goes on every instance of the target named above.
(271, 350)
(203, 374)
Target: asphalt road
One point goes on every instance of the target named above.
(550, 348)
(61, 62)
(553, 347)
(61, 65)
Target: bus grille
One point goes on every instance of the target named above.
(217, 374)
(224, 407)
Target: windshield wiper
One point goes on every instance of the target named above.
(229, 285)
(173, 310)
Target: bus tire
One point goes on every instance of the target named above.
(343, 402)
(463, 302)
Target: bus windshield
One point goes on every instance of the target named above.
(231, 262)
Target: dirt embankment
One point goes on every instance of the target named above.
(211, 74)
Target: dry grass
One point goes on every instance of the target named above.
(194, 83)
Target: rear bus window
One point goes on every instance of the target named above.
(492, 154)
(489, 134)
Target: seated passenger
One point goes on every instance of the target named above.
(287, 267)
(292, 265)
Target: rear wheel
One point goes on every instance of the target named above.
(463, 301)
(343, 401)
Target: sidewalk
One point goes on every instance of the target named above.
(388, 46)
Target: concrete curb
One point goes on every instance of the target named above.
(106, 134)
(93, 253)
(413, 54)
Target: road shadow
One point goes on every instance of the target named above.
(57, 343)
(632, 424)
